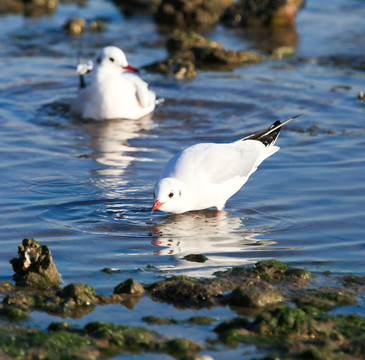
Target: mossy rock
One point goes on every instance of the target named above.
(81, 294)
(156, 320)
(130, 286)
(75, 26)
(255, 294)
(184, 291)
(6, 286)
(325, 298)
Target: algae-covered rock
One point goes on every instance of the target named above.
(79, 294)
(271, 271)
(156, 320)
(181, 348)
(35, 266)
(185, 291)
(17, 305)
(191, 13)
(255, 293)
(130, 286)
(11, 6)
(325, 298)
(262, 13)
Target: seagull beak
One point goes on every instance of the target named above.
(157, 205)
(131, 68)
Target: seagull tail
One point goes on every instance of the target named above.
(269, 136)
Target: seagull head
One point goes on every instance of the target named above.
(111, 58)
(170, 195)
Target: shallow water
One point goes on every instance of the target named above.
(85, 188)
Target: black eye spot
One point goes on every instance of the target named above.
(154, 195)
(98, 60)
(171, 194)
(179, 192)
(111, 59)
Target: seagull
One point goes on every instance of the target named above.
(115, 91)
(207, 174)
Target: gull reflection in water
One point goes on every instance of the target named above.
(222, 238)
(110, 143)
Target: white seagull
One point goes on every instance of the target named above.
(114, 91)
(206, 175)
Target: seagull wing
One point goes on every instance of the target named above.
(145, 97)
(216, 163)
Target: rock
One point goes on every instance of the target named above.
(185, 40)
(262, 12)
(6, 286)
(200, 258)
(180, 66)
(79, 294)
(156, 320)
(11, 6)
(75, 26)
(35, 266)
(185, 291)
(131, 7)
(361, 96)
(255, 294)
(191, 13)
(129, 286)
(206, 56)
(39, 7)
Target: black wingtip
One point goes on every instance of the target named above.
(269, 136)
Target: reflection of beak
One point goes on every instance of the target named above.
(157, 205)
(131, 68)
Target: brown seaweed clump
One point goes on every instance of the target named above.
(262, 13)
(191, 13)
(35, 267)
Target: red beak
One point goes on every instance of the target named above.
(156, 205)
(131, 68)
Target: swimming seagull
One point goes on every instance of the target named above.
(206, 175)
(115, 91)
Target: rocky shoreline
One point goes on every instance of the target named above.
(279, 308)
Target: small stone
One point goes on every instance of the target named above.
(200, 258)
(361, 96)
(130, 286)
(75, 26)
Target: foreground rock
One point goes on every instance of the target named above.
(96, 340)
(35, 266)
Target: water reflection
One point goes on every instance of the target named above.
(222, 238)
(110, 142)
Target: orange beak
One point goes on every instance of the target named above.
(156, 205)
(131, 68)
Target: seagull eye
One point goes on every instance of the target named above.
(171, 194)
(111, 59)
(179, 192)
(154, 195)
